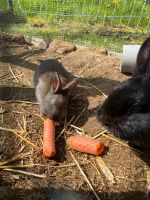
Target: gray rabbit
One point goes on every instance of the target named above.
(53, 86)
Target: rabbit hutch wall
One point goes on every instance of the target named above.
(87, 38)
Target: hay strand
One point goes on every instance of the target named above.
(15, 158)
(26, 173)
(98, 90)
(16, 132)
(13, 74)
(85, 177)
(106, 171)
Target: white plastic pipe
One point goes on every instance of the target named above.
(129, 58)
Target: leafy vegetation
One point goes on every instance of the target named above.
(108, 23)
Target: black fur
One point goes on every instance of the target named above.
(126, 111)
(143, 58)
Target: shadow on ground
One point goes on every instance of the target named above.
(18, 59)
(9, 18)
(50, 193)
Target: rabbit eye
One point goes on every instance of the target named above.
(135, 109)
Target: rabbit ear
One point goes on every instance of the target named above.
(58, 86)
(72, 84)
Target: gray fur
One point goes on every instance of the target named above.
(53, 85)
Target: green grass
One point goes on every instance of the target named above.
(94, 10)
(86, 22)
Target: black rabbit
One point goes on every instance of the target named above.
(126, 111)
(53, 86)
(143, 58)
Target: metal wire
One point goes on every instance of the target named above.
(97, 16)
(144, 4)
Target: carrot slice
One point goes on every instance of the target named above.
(49, 138)
(85, 144)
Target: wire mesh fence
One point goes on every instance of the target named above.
(108, 23)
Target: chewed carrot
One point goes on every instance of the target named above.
(49, 138)
(85, 144)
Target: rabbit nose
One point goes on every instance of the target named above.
(57, 117)
(106, 124)
(105, 120)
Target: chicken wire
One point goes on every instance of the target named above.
(100, 18)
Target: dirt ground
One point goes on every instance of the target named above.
(61, 178)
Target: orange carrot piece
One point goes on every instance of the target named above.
(85, 144)
(49, 138)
